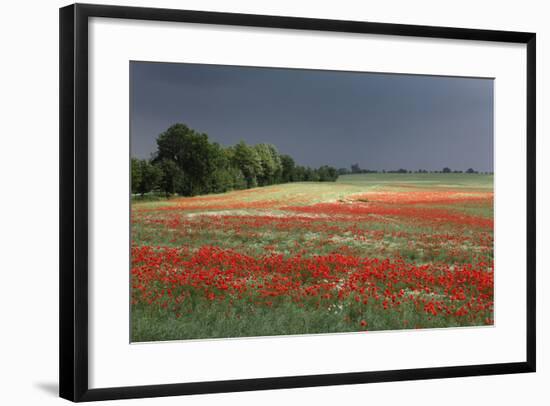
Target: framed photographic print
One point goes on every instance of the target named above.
(257, 202)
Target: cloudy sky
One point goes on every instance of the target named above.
(381, 121)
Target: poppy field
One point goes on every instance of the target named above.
(367, 252)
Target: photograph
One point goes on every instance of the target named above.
(265, 203)
(275, 201)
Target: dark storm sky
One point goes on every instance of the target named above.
(381, 121)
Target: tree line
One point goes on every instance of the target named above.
(356, 169)
(188, 163)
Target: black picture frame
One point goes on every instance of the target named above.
(73, 333)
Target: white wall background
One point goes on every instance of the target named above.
(29, 208)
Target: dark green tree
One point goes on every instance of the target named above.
(270, 162)
(288, 166)
(193, 154)
(188, 163)
(311, 175)
(327, 173)
(135, 174)
(220, 179)
(151, 176)
(172, 179)
(171, 143)
(249, 162)
(299, 174)
(343, 171)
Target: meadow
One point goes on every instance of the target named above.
(367, 252)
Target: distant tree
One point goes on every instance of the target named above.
(332, 174)
(299, 174)
(311, 175)
(327, 173)
(355, 168)
(446, 170)
(343, 171)
(288, 166)
(471, 170)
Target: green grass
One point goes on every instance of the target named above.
(421, 180)
(221, 320)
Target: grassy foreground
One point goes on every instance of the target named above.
(369, 252)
